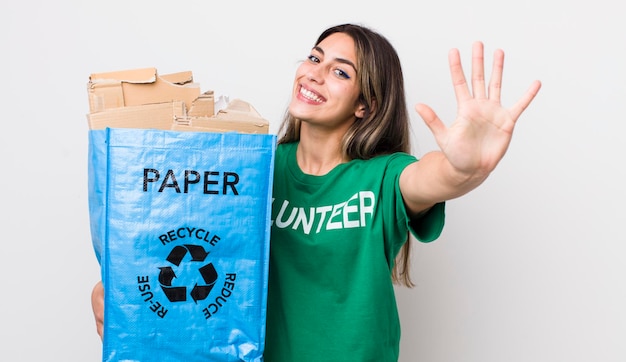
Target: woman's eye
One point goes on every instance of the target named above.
(313, 58)
(340, 73)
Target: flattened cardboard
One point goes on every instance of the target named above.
(158, 116)
(139, 87)
(203, 106)
(179, 78)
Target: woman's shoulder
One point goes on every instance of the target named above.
(382, 164)
(392, 158)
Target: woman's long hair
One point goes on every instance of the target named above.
(384, 129)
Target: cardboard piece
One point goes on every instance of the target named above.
(158, 116)
(138, 87)
(203, 106)
(237, 116)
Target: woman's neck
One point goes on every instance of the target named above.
(319, 154)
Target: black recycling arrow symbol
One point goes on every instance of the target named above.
(209, 274)
(197, 252)
(175, 294)
(200, 292)
(177, 254)
(166, 275)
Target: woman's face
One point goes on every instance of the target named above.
(326, 90)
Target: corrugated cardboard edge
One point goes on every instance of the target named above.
(159, 116)
(212, 124)
(180, 78)
(186, 128)
(140, 76)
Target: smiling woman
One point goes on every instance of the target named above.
(347, 194)
(346, 134)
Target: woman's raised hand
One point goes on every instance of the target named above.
(479, 137)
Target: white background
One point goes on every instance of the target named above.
(530, 266)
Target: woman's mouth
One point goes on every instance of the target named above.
(310, 95)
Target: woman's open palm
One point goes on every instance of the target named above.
(479, 137)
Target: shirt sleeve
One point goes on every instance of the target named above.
(428, 227)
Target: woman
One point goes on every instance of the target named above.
(347, 193)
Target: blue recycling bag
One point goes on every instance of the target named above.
(180, 225)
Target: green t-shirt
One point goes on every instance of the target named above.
(333, 243)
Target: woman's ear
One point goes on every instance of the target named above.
(362, 110)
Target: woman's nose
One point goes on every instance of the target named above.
(314, 74)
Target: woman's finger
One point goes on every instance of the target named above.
(522, 103)
(478, 71)
(459, 83)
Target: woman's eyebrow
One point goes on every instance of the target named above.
(319, 49)
(340, 60)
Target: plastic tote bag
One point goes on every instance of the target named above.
(180, 225)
